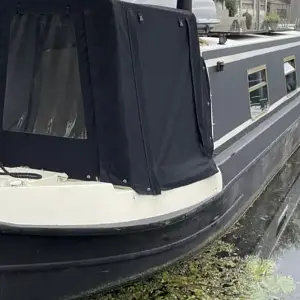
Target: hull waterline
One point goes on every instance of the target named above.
(65, 264)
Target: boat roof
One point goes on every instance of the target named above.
(212, 43)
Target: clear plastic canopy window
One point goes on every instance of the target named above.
(43, 90)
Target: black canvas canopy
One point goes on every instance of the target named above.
(104, 90)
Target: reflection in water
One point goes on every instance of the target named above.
(290, 240)
(238, 266)
(271, 227)
(217, 274)
(257, 231)
(287, 252)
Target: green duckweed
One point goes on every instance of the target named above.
(217, 274)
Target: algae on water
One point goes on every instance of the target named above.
(217, 274)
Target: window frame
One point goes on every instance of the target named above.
(285, 60)
(256, 87)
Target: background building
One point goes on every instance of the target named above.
(286, 10)
(295, 10)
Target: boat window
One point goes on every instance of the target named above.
(257, 78)
(258, 91)
(43, 92)
(289, 65)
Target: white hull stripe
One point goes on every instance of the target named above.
(244, 55)
(228, 136)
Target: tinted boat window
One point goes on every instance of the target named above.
(256, 78)
(43, 92)
(289, 67)
(258, 91)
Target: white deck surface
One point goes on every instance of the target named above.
(56, 200)
(213, 42)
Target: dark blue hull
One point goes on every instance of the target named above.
(63, 264)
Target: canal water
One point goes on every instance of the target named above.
(287, 253)
(270, 229)
(258, 259)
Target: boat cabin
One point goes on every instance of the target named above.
(104, 90)
(117, 96)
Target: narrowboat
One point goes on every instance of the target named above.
(124, 146)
